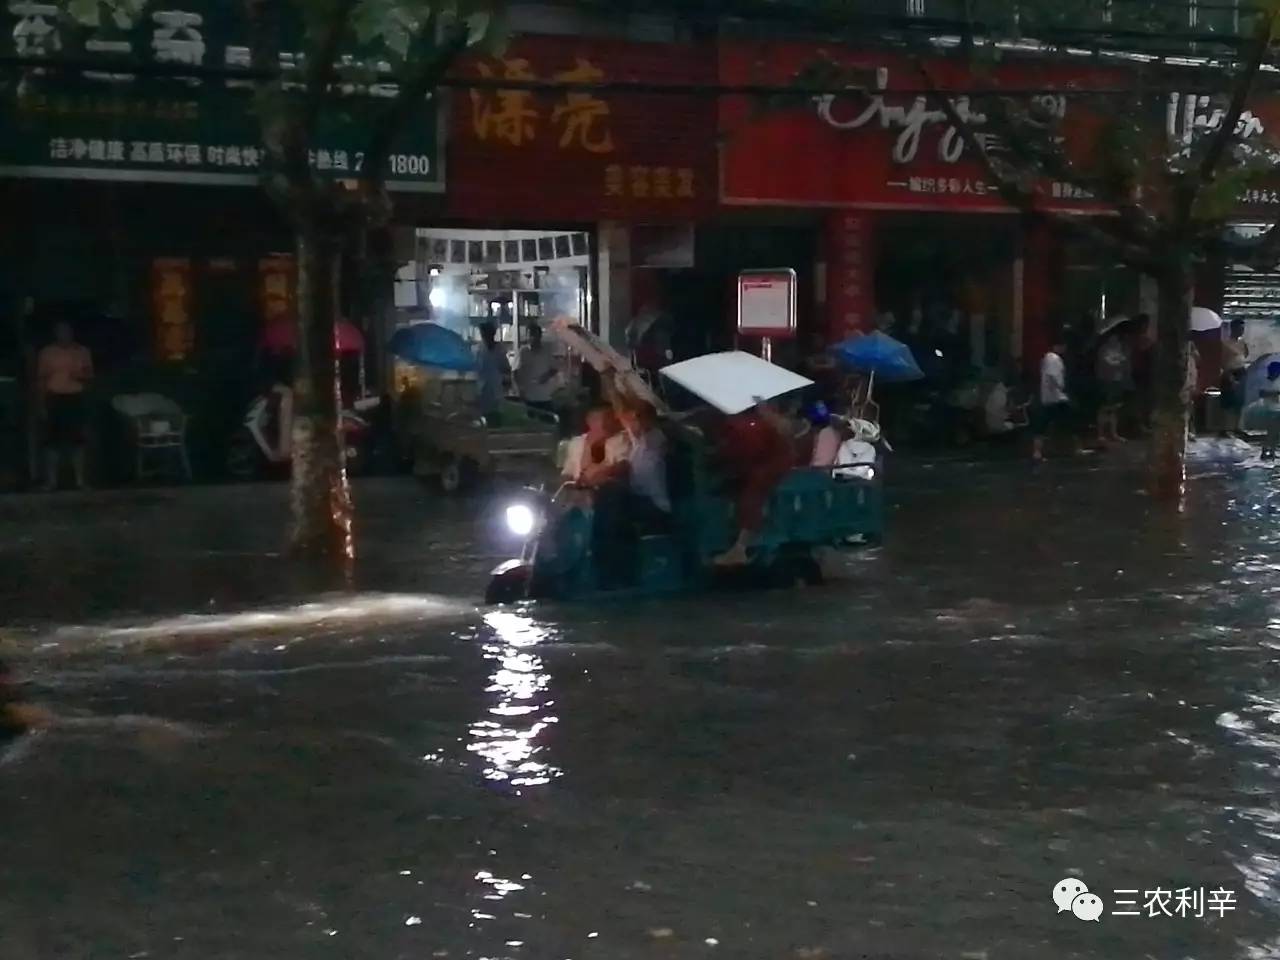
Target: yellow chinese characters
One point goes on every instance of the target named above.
(507, 115)
(175, 332)
(512, 116)
(645, 183)
(584, 117)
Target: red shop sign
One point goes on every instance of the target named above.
(583, 156)
(882, 150)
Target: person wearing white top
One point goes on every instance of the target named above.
(591, 455)
(1054, 409)
(536, 373)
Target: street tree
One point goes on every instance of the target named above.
(1161, 194)
(1166, 191)
(381, 62)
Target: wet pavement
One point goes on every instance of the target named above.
(1038, 676)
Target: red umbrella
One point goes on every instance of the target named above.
(282, 337)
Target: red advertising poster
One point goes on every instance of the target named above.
(278, 290)
(882, 149)
(584, 156)
(171, 305)
(851, 264)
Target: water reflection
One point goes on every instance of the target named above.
(520, 710)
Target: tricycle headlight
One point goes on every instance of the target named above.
(522, 519)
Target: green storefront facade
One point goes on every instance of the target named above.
(115, 179)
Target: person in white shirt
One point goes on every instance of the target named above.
(995, 410)
(591, 455)
(536, 374)
(1053, 412)
(632, 497)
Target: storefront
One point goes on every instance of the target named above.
(912, 232)
(133, 206)
(589, 198)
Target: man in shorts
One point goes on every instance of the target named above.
(1053, 409)
(64, 371)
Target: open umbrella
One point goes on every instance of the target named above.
(431, 345)
(879, 355)
(281, 336)
(1256, 376)
(604, 360)
(733, 381)
(1203, 320)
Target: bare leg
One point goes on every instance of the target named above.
(51, 464)
(736, 555)
(1037, 448)
(77, 465)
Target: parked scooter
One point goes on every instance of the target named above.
(260, 446)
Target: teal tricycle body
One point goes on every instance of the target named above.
(811, 509)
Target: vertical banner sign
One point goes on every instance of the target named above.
(767, 303)
(850, 274)
(171, 305)
(276, 276)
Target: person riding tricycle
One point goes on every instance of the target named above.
(671, 515)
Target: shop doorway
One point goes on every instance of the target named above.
(945, 284)
(513, 279)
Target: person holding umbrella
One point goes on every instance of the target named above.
(1114, 371)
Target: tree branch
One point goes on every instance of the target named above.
(321, 62)
(287, 175)
(1225, 135)
(1023, 199)
(429, 61)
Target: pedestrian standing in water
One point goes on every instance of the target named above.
(493, 371)
(64, 370)
(1114, 372)
(1235, 364)
(1053, 409)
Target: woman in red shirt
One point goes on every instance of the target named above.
(759, 449)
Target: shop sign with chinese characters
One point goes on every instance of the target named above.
(111, 124)
(884, 149)
(584, 154)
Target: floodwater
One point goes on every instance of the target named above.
(1038, 677)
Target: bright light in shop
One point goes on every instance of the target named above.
(437, 297)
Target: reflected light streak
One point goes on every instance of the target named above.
(506, 737)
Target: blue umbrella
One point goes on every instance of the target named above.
(1256, 376)
(431, 345)
(879, 354)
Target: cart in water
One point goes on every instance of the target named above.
(450, 441)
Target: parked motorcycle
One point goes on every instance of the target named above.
(254, 452)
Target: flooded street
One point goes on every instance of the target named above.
(1037, 677)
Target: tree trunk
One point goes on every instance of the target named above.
(320, 496)
(1171, 400)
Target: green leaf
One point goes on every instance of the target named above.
(87, 13)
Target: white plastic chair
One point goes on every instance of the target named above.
(159, 432)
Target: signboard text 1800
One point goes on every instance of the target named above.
(111, 123)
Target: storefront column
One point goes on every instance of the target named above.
(615, 283)
(1037, 285)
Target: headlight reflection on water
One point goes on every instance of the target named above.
(507, 737)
